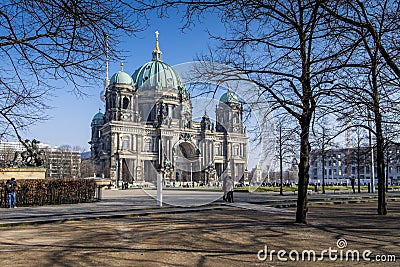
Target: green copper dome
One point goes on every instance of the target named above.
(157, 75)
(98, 119)
(229, 97)
(121, 77)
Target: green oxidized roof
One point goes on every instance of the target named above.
(159, 75)
(229, 97)
(121, 77)
(98, 118)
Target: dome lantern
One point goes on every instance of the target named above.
(98, 119)
(157, 52)
(229, 97)
(121, 77)
(157, 74)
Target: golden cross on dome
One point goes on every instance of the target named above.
(157, 52)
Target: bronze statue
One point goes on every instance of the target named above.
(33, 156)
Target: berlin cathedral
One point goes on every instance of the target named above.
(147, 129)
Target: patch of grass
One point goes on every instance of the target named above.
(310, 187)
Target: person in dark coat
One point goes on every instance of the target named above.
(11, 186)
(224, 189)
(229, 189)
(353, 182)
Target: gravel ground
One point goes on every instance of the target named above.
(228, 237)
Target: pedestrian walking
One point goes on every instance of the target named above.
(11, 186)
(353, 182)
(229, 189)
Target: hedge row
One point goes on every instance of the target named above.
(50, 192)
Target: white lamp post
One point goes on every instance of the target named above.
(159, 188)
(191, 173)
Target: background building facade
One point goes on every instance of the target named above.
(60, 162)
(342, 164)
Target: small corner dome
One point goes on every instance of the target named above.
(229, 97)
(98, 118)
(121, 77)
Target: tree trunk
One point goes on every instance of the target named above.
(380, 166)
(323, 172)
(380, 161)
(323, 160)
(280, 161)
(358, 164)
(304, 166)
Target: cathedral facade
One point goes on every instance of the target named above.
(147, 129)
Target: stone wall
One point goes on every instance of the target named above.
(22, 173)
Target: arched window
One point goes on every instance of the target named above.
(217, 150)
(153, 113)
(236, 150)
(147, 145)
(108, 144)
(235, 118)
(113, 99)
(125, 103)
(125, 143)
(134, 148)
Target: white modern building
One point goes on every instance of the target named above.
(342, 164)
(60, 162)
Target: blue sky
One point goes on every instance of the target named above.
(70, 116)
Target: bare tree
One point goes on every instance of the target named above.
(323, 139)
(379, 18)
(87, 168)
(287, 144)
(375, 24)
(45, 41)
(360, 151)
(285, 48)
(298, 51)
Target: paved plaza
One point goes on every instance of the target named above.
(128, 229)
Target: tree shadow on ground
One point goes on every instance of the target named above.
(228, 237)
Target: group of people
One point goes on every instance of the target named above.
(227, 187)
(11, 187)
